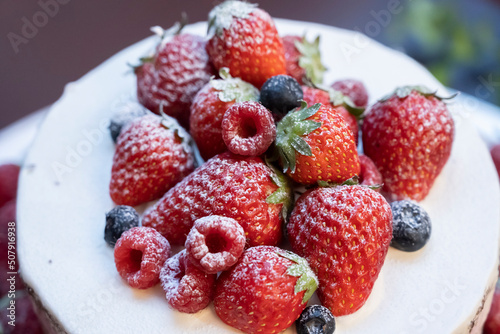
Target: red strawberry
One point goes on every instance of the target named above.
(408, 135)
(344, 232)
(152, 155)
(242, 188)
(316, 95)
(209, 106)
(369, 174)
(492, 324)
(173, 75)
(9, 174)
(315, 144)
(354, 89)
(303, 59)
(265, 292)
(246, 41)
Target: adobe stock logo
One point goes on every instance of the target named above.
(31, 26)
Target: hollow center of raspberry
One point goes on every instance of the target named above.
(247, 128)
(215, 243)
(135, 260)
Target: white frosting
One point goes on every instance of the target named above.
(64, 197)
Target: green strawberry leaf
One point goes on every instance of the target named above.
(310, 59)
(307, 281)
(353, 181)
(222, 15)
(233, 89)
(289, 132)
(171, 123)
(404, 91)
(282, 195)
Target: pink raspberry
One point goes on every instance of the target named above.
(369, 175)
(9, 175)
(353, 89)
(215, 243)
(139, 255)
(187, 288)
(248, 128)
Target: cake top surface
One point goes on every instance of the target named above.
(64, 197)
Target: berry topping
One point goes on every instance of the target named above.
(123, 116)
(411, 226)
(187, 288)
(280, 94)
(303, 59)
(354, 89)
(9, 174)
(208, 109)
(344, 233)
(265, 291)
(412, 154)
(248, 129)
(152, 155)
(215, 243)
(315, 319)
(139, 255)
(316, 144)
(120, 219)
(495, 155)
(369, 174)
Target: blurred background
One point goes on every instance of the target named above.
(48, 43)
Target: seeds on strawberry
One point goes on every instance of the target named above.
(152, 155)
(265, 291)
(215, 243)
(187, 288)
(344, 233)
(248, 129)
(369, 174)
(354, 89)
(139, 255)
(280, 94)
(123, 116)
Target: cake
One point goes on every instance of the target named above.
(444, 288)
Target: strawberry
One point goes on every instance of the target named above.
(173, 75)
(208, 109)
(152, 155)
(408, 135)
(265, 292)
(245, 39)
(316, 95)
(344, 233)
(315, 144)
(492, 324)
(303, 59)
(354, 89)
(242, 188)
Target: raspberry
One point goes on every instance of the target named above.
(187, 288)
(215, 243)
(369, 174)
(9, 175)
(248, 128)
(353, 89)
(139, 255)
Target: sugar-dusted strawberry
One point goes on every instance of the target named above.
(316, 95)
(492, 324)
(354, 89)
(245, 39)
(409, 136)
(303, 59)
(344, 232)
(265, 292)
(152, 155)
(369, 174)
(173, 75)
(242, 188)
(316, 144)
(209, 106)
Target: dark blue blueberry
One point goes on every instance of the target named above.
(280, 94)
(315, 319)
(120, 219)
(123, 116)
(411, 226)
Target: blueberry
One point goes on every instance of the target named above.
(411, 226)
(280, 94)
(123, 116)
(120, 219)
(315, 319)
